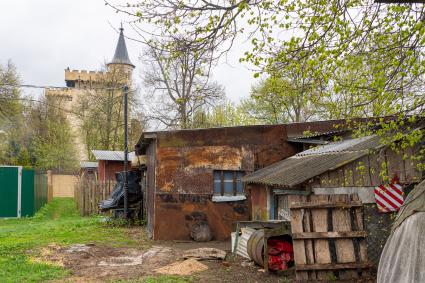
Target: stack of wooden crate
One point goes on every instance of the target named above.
(328, 237)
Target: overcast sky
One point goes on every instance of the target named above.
(44, 37)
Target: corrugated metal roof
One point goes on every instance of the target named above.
(111, 155)
(317, 134)
(345, 145)
(307, 164)
(88, 164)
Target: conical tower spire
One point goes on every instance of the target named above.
(121, 54)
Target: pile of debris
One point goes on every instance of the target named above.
(191, 263)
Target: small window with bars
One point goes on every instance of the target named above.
(228, 183)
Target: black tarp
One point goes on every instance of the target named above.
(116, 199)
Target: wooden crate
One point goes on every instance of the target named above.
(328, 237)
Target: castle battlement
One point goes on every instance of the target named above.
(58, 91)
(68, 92)
(83, 75)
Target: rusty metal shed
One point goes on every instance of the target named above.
(194, 175)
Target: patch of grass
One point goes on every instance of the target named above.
(18, 268)
(57, 222)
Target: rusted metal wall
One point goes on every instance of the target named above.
(181, 166)
(185, 162)
(176, 213)
(150, 186)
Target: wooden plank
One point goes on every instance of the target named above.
(309, 247)
(360, 172)
(98, 197)
(333, 178)
(348, 175)
(92, 189)
(395, 163)
(333, 266)
(320, 224)
(326, 205)
(86, 198)
(264, 224)
(359, 223)
(341, 222)
(332, 235)
(324, 179)
(341, 175)
(374, 170)
(297, 227)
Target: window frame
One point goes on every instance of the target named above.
(237, 190)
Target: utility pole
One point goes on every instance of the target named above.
(125, 152)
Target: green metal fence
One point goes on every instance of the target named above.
(22, 191)
(40, 190)
(9, 183)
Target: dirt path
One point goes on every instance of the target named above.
(102, 263)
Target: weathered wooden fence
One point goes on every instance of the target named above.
(328, 237)
(88, 194)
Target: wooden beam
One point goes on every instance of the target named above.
(332, 266)
(329, 235)
(325, 205)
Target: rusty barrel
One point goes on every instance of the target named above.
(255, 247)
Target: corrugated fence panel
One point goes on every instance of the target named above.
(32, 192)
(40, 190)
(27, 199)
(8, 191)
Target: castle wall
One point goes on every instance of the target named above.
(85, 82)
(67, 99)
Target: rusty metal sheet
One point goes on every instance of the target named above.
(190, 169)
(150, 187)
(176, 213)
(223, 136)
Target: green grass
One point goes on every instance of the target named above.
(57, 222)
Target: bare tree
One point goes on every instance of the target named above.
(178, 82)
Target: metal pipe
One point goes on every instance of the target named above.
(125, 152)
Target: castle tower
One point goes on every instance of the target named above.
(80, 83)
(121, 62)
